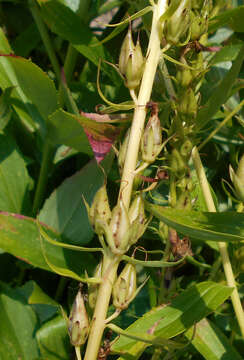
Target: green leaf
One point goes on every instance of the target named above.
(17, 327)
(168, 321)
(67, 24)
(227, 226)
(66, 128)
(232, 18)
(210, 342)
(33, 82)
(53, 340)
(227, 53)
(22, 105)
(5, 109)
(14, 178)
(65, 211)
(220, 94)
(19, 235)
(44, 306)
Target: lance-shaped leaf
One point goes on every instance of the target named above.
(20, 236)
(168, 321)
(210, 342)
(205, 226)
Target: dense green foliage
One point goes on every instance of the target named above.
(58, 146)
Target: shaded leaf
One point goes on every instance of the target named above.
(65, 210)
(53, 340)
(5, 109)
(221, 93)
(14, 178)
(227, 226)
(19, 235)
(232, 18)
(16, 341)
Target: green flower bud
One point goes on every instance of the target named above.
(186, 148)
(151, 143)
(78, 324)
(124, 288)
(99, 213)
(131, 62)
(137, 219)
(238, 179)
(134, 68)
(125, 52)
(119, 226)
(93, 288)
(188, 103)
(184, 77)
(199, 25)
(177, 163)
(177, 26)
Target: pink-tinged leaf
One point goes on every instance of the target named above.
(102, 136)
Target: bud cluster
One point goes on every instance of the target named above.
(120, 227)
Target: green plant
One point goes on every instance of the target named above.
(140, 226)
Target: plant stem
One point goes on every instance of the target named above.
(152, 59)
(45, 37)
(77, 351)
(110, 266)
(230, 279)
(48, 152)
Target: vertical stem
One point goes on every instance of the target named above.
(48, 152)
(45, 37)
(230, 279)
(110, 266)
(152, 59)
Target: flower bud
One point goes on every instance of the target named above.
(177, 26)
(93, 288)
(119, 226)
(188, 103)
(99, 212)
(124, 288)
(137, 219)
(78, 324)
(199, 25)
(186, 148)
(184, 77)
(238, 179)
(131, 62)
(151, 143)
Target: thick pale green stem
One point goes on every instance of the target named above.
(230, 279)
(152, 59)
(110, 266)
